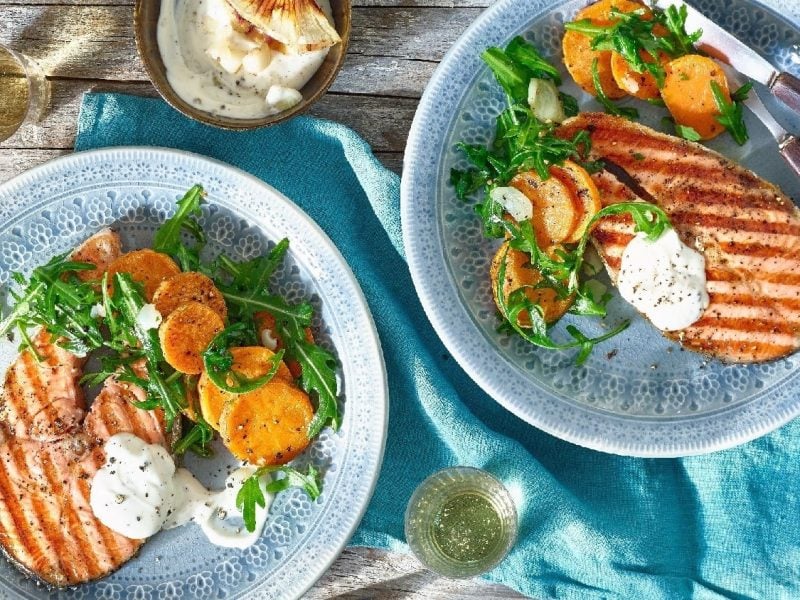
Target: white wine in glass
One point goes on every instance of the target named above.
(24, 92)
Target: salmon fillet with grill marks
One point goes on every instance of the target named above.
(47, 526)
(746, 228)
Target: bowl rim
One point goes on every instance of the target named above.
(168, 94)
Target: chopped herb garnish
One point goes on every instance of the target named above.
(684, 131)
(731, 114)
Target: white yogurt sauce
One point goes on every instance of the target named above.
(138, 492)
(664, 279)
(221, 71)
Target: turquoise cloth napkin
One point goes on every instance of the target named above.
(592, 525)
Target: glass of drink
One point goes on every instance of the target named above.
(461, 522)
(24, 92)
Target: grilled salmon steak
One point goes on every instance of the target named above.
(745, 227)
(47, 526)
(50, 449)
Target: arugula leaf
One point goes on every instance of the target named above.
(218, 361)
(570, 104)
(318, 375)
(679, 41)
(466, 182)
(731, 114)
(511, 76)
(55, 298)
(129, 299)
(168, 237)
(611, 108)
(741, 94)
(197, 439)
(526, 54)
(292, 478)
(251, 495)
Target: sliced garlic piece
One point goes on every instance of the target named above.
(514, 202)
(544, 101)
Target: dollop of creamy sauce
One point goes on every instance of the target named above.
(664, 279)
(138, 492)
(220, 70)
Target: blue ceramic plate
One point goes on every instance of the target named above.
(54, 207)
(639, 394)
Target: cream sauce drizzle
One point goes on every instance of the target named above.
(138, 492)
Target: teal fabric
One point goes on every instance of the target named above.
(725, 525)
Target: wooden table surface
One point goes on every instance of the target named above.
(395, 46)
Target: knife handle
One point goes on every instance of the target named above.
(790, 150)
(786, 88)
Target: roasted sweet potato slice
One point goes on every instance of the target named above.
(578, 53)
(186, 333)
(580, 184)
(641, 85)
(688, 96)
(145, 266)
(267, 426)
(555, 212)
(248, 361)
(189, 287)
(519, 274)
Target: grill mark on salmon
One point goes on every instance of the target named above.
(686, 219)
(747, 229)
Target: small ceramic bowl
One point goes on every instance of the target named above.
(145, 21)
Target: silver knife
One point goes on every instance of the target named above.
(788, 145)
(722, 45)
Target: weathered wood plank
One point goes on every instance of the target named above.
(396, 576)
(18, 160)
(92, 41)
(383, 122)
(383, 76)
